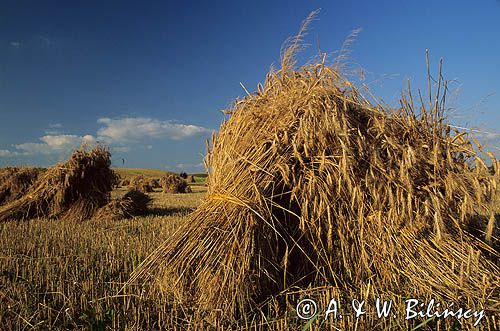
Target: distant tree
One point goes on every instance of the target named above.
(183, 175)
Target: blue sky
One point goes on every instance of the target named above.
(150, 79)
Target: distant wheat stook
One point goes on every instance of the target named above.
(72, 189)
(141, 183)
(133, 203)
(174, 184)
(311, 184)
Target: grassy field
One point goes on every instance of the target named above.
(131, 172)
(152, 173)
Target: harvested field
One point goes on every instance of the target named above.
(79, 268)
(66, 274)
(128, 173)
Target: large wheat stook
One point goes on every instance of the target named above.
(311, 184)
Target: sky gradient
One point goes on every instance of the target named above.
(150, 80)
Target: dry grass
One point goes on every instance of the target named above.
(314, 186)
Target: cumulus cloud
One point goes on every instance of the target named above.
(136, 128)
(120, 134)
(54, 144)
(65, 140)
(489, 139)
(488, 136)
(5, 153)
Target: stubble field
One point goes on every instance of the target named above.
(68, 275)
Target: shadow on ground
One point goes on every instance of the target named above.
(163, 211)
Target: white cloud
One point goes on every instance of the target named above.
(487, 136)
(117, 133)
(88, 139)
(136, 128)
(33, 148)
(16, 44)
(54, 144)
(5, 153)
(60, 141)
(478, 133)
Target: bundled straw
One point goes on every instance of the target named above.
(14, 182)
(141, 183)
(75, 188)
(174, 184)
(133, 203)
(311, 184)
(154, 183)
